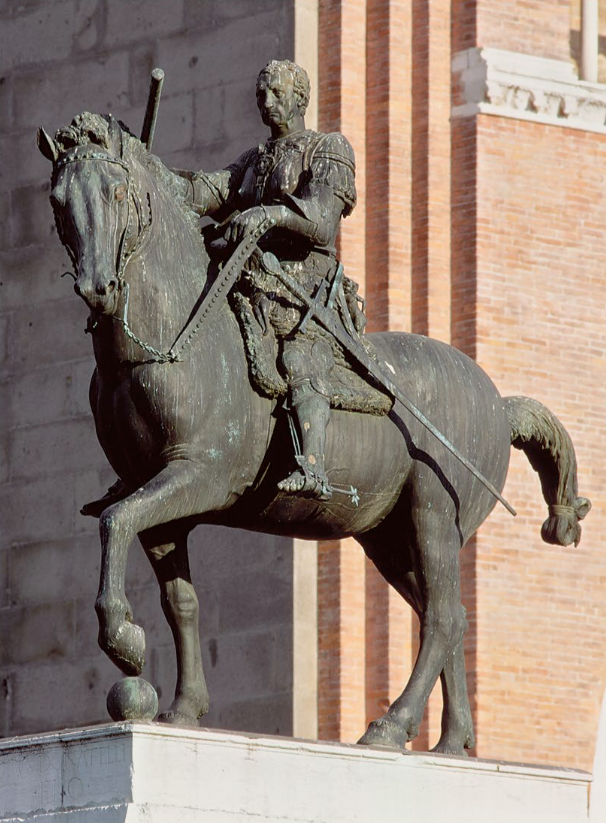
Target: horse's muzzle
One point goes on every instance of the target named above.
(101, 298)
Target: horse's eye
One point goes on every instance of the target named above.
(120, 192)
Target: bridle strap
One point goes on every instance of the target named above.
(122, 259)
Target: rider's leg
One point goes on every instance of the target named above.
(307, 363)
(311, 412)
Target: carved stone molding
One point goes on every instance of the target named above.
(510, 84)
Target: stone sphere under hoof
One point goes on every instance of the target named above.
(132, 699)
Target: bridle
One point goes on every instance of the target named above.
(123, 257)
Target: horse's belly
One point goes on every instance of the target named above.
(374, 458)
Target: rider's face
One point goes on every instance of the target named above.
(276, 99)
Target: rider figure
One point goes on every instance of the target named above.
(304, 181)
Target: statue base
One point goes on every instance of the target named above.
(156, 773)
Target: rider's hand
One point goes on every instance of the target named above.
(244, 224)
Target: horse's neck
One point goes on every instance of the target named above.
(172, 261)
(162, 281)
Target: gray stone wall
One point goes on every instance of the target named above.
(58, 59)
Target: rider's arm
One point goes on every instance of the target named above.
(315, 216)
(209, 192)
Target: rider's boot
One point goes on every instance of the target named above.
(311, 412)
(113, 495)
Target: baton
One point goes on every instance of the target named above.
(151, 112)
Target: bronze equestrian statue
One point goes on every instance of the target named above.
(187, 416)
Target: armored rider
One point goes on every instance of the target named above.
(304, 181)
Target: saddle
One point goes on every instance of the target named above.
(330, 371)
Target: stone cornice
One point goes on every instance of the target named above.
(510, 84)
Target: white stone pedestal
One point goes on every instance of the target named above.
(153, 773)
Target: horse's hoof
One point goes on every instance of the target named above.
(454, 744)
(126, 649)
(113, 495)
(449, 748)
(385, 732)
(177, 718)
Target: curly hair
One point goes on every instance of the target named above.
(300, 80)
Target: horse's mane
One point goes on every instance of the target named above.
(87, 128)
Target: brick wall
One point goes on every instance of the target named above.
(486, 232)
(541, 660)
(529, 26)
(59, 59)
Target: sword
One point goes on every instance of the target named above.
(326, 318)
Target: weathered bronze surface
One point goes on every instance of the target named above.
(201, 401)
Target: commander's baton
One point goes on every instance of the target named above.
(153, 103)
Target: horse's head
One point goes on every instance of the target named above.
(98, 214)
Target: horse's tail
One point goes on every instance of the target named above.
(548, 447)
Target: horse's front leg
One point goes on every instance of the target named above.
(176, 492)
(167, 552)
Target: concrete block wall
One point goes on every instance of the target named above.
(59, 59)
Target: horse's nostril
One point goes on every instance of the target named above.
(106, 289)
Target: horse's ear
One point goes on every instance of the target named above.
(115, 136)
(47, 146)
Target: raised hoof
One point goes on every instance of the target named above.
(176, 718)
(94, 509)
(386, 733)
(126, 649)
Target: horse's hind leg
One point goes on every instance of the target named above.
(432, 588)
(457, 723)
(170, 563)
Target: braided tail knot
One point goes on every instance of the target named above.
(562, 526)
(541, 436)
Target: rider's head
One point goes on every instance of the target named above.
(282, 93)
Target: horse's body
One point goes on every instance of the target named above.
(193, 442)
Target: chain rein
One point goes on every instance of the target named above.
(239, 258)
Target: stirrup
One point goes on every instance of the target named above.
(317, 485)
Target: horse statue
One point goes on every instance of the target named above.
(193, 441)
